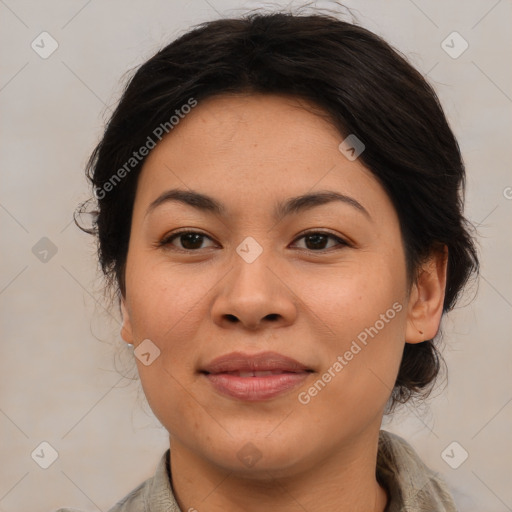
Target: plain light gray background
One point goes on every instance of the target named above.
(58, 381)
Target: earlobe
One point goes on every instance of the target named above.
(427, 298)
(126, 328)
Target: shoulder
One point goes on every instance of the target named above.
(132, 502)
(153, 495)
(413, 486)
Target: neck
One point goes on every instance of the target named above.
(345, 482)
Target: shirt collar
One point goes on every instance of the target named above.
(411, 485)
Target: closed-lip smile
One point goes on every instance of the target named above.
(254, 377)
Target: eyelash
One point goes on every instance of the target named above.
(166, 241)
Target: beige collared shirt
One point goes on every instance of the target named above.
(412, 486)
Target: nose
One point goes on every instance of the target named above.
(254, 296)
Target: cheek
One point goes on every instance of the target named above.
(165, 300)
(172, 399)
(365, 310)
(166, 306)
(353, 297)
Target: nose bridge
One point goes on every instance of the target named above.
(253, 279)
(253, 294)
(251, 260)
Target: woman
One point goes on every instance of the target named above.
(280, 210)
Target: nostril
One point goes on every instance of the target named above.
(232, 318)
(272, 316)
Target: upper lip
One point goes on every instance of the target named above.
(240, 362)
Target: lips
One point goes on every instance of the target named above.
(254, 377)
(261, 373)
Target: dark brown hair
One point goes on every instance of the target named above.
(366, 87)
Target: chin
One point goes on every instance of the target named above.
(256, 455)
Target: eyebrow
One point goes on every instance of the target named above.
(291, 206)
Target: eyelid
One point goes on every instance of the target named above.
(166, 240)
(320, 231)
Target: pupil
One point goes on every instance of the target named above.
(318, 241)
(191, 240)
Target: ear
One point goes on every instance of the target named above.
(126, 328)
(426, 299)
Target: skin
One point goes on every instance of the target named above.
(249, 152)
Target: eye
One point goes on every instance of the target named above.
(319, 240)
(187, 240)
(193, 240)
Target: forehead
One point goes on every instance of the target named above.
(259, 148)
(268, 124)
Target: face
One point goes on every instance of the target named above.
(268, 270)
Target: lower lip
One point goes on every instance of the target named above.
(255, 388)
